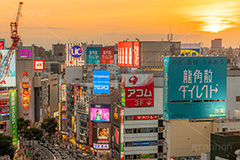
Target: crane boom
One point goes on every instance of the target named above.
(15, 38)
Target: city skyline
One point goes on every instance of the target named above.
(46, 22)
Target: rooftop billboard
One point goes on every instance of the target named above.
(101, 81)
(194, 87)
(93, 55)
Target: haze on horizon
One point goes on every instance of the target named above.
(46, 22)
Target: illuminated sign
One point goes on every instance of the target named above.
(194, 87)
(63, 108)
(76, 51)
(13, 117)
(107, 55)
(26, 87)
(64, 116)
(139, 90)
(136, 54)
(25, 53)
(100, 146)
(190, 52)
(100, 112)
(63, 92)
(103, 135)
(39, 64)
(101, 81)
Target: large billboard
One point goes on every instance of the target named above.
(100, 113)
(39, 64)
(139, 90)
(26, 87)
(10, 79)
(93, 55)
(101, 81)
(103, 135)
(74, 54)
(129, 54)
(13, 117)
(107, 55)
(194, 87)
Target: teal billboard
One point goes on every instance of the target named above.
(194, 87)
(93, 55)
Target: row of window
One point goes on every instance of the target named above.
(4, 118)
(141, 156)
(141, 130)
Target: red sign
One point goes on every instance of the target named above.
(139, 90)
(136, 54)
(107, 55)
(3, 102)
(90, 133)
(39, 64)
(1, 45)
(125, 54)
(63, 108)
(145, 117)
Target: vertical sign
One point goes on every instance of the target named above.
(199, 80)
(93, 55)
(136, 54)
(63, 92)
(13, 114)
(59, 115)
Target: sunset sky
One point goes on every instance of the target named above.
(108, 21)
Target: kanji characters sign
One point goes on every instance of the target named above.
(196, 86)
(107, 55)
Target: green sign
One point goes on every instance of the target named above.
(123, 97)
(13, 115)
(145, 156)
(122, 147)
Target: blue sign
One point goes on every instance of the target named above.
(145, 143)
(93, 55)
(190, 51)
(194, 87)
(101, 81)
(76, 51)
(4, 114)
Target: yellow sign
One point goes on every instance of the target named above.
(188, 52)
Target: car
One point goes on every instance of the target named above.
(37, 154)
(56, 146)
(46, 145)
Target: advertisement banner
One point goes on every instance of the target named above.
(63, 92)
(74, 55)
(101, 81)
(195, 80)
(145, 117)
(90, 133)
(26, 88)
(103, 135)
(125, 54)
(190, 52)
(100, 113)
(39, 64)
(2, 45)
(93, 55)
(13, 115)
(100, 146)
(107, 55)
(10, 77)
(136, 54)
(77, 93)
(139, 90)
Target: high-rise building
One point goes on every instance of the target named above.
(216, 44)
(58, 49)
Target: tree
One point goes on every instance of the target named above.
(22, 125)
(30, 133)
(6, 146)
(49, 125)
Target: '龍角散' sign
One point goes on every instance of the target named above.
(194, 87)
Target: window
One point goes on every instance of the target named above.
(237, 98)
(129, 118)
(160, 149)
(128, 144)
(224, 129)
(128, 131)
(160, 123)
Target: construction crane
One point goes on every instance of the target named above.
(5, 65)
